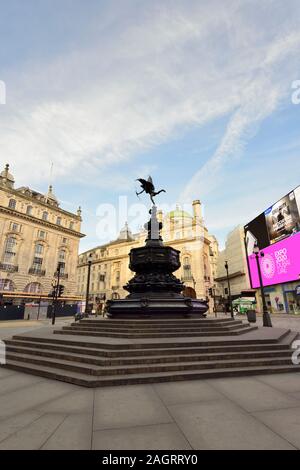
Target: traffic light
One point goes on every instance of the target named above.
(1, 300)
(210, 291)
(60, 290)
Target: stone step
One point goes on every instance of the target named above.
(90, 381)
(152, 329)
(180, 333)
(190, 357)
(151, 345)
(146, 352)
(153, 323)
(92, 369)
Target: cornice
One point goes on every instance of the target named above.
(43, 223)
(33, 200)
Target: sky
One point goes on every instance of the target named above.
(196, 94)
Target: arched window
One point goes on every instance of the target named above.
(12, 204)
(10, 250)
(34, 288)
(45, 215)
(6, 285)
(29, 210)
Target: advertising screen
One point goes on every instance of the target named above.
(277, 233)
(280, 263)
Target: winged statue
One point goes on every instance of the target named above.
(149, 188)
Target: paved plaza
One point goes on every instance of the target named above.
(258, 412)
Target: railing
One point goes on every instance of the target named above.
(37, 271)
(187, 277)
(115, 287)
(11, 268)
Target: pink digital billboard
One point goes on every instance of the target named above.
(280, 263)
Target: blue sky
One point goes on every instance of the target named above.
(193, 93)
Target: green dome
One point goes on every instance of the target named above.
(179, 214)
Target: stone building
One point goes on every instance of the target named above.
(181, 230)
(35, 234)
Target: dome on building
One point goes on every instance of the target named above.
(179, 214)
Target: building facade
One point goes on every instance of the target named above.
(181, 230)
(35, 234)
(235, 255)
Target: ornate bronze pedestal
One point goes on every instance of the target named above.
(154, 290)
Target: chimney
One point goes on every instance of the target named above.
(197, 211)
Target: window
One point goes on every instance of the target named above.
(64, 240)
(6, 285)
(117, 277)
(12, 204)
(62, 260)
(37, 263)
(187, 273)
(39, 248)
(45, 215)
(58, 220)
(71, 225)
(15, 227)
(34, 288)
(10, 250)
(29, 210)
(42, 234)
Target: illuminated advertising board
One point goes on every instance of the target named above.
(277, 234)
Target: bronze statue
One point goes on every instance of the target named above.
(148, 188)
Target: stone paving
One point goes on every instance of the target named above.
(261, 412)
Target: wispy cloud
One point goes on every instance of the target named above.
(140, 75)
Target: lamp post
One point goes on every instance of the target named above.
(90, 259)
(229, 291)
(266, 316)
(55, 292)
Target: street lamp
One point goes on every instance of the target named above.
(266, 315)
(229, 291)
(90, 259)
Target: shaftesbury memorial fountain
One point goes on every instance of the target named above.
(154, 290)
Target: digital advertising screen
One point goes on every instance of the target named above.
(277, 234)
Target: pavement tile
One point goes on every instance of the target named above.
(253, 395)
(221, 425)
(15, 423)
(128, 406)
(80, 401)
(74, 433)
(6, 372)
(33, 436)
(188, 391)
(17, 382)
(283, 382)
(32, 396)
(285, 422)
(155, 437)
